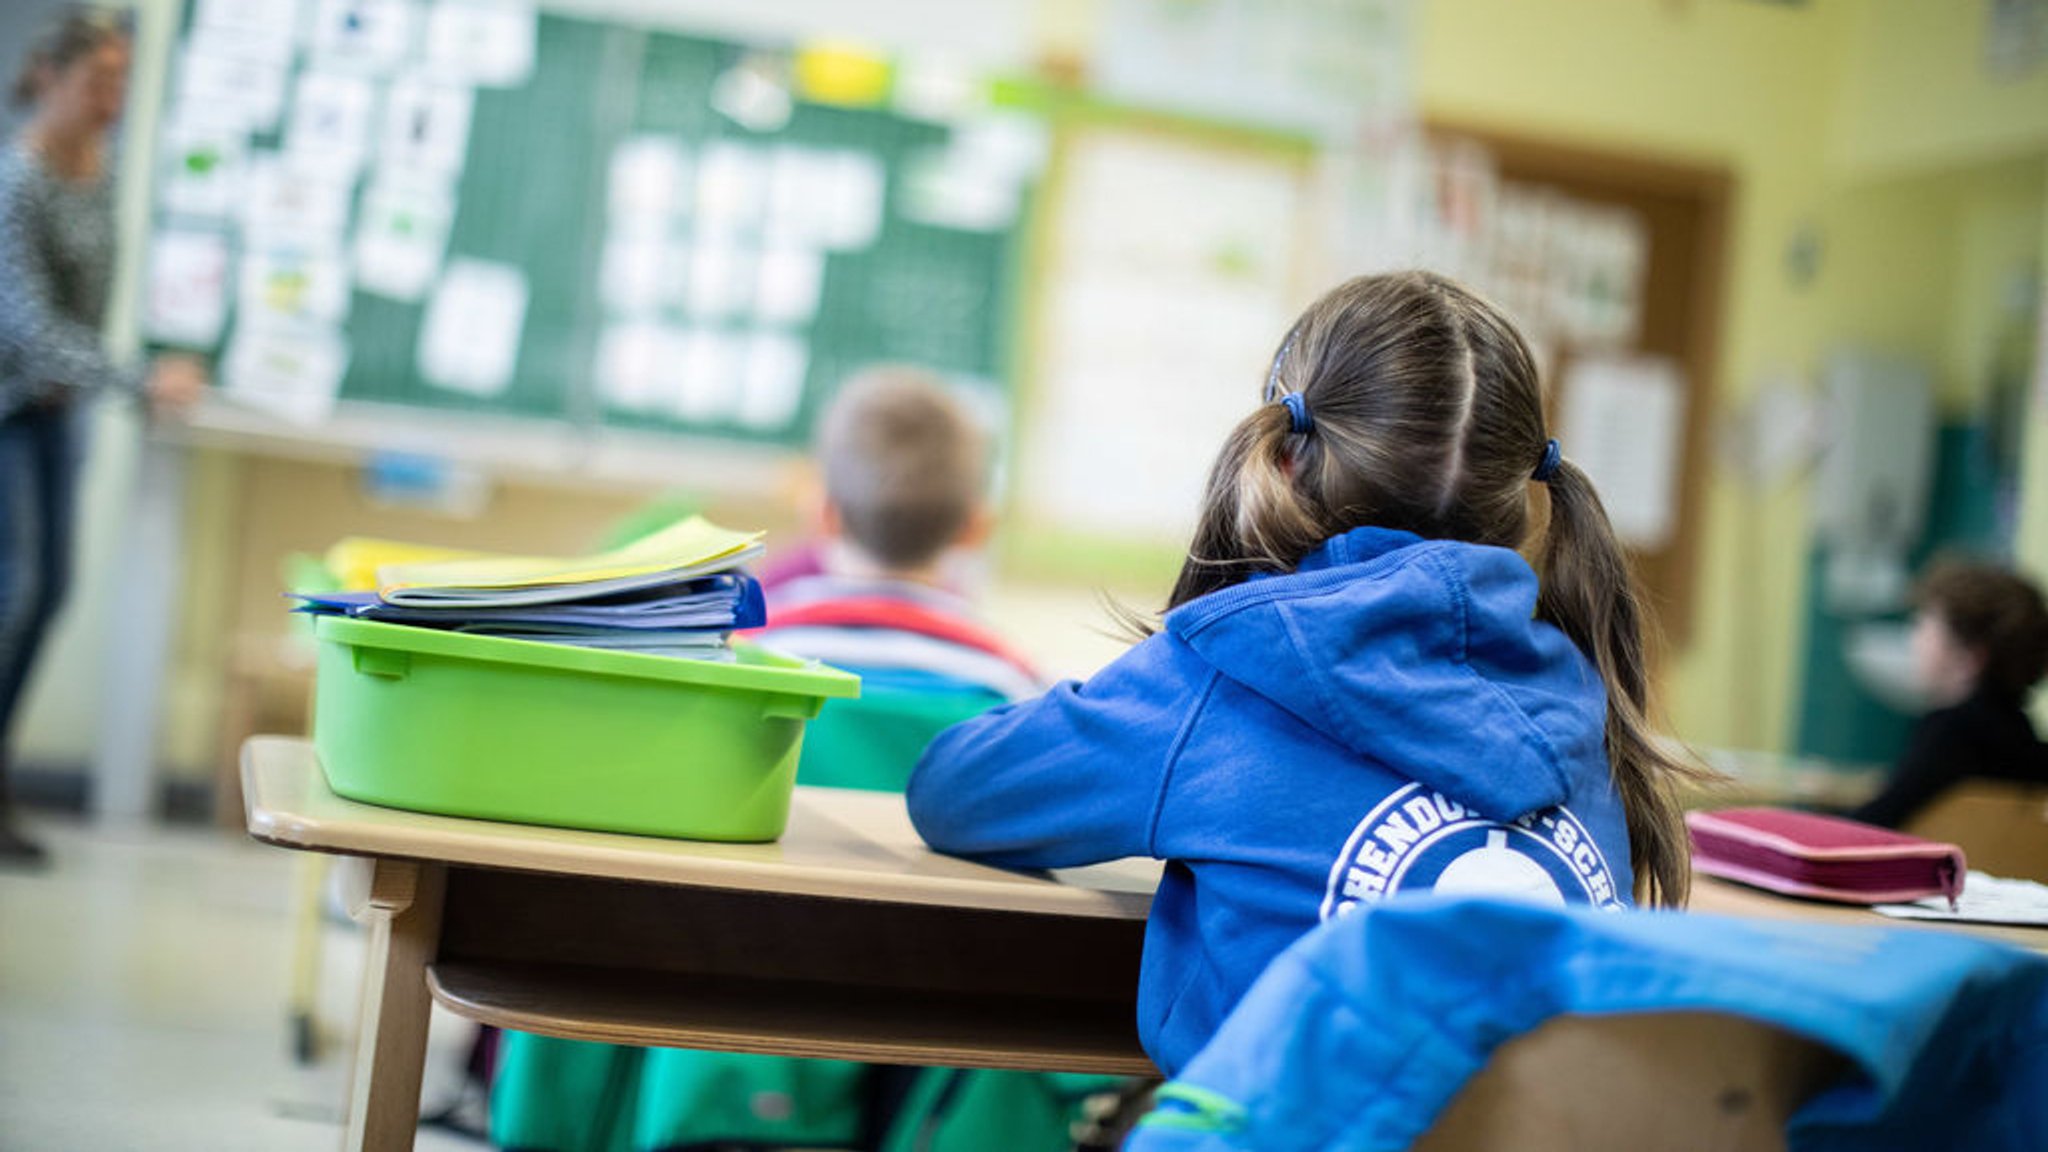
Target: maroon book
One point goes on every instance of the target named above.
(1822, 857)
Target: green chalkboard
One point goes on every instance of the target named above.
(533, 194)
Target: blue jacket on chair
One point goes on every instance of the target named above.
(1389, 717)
(1359, 1036)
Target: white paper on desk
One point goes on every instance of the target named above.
(646, 182)
(330, 123)
(708, 383)
(281, 286)
(292, 371)
(772, 386)
(792, 279)
(426, 124)
(489, 43)
(234, 80)
(402, 235)
(470, 340)
(732, 188)
(205, 162)
(721, 279)
(639, 365)
(1986, 899)
(366, 36)
(292, 205)
(1623, 419)
(188, 293)
(642, 273)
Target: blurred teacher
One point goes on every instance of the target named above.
(56, 266)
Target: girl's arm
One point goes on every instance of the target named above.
(1073, 777)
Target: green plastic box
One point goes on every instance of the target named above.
(496, 729)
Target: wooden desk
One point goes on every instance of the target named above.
(847, 939)
(1712, 894)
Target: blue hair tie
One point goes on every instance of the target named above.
(1298, 420)
(1553, 456)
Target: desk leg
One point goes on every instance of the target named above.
(403, 914)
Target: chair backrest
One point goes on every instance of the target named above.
(873, 742)
(2001, 826)
(1673, 1080)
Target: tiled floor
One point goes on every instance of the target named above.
(143, 1001)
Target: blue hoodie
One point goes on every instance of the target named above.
(1361, 1034)
(1389, 717)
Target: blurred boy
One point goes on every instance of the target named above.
(905, 474)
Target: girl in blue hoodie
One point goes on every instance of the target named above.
(1387, 666)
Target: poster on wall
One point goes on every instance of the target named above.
(470, 340)
(1623, 425)
(188, 290)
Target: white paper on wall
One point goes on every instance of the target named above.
(639, 366)
(470, 340)
(366, 36)
(294, 372)
(229, 80)
(642, 273)
(293, 206)
(732, 187)
(402, 235)
(646, 187)
(488, 43)
(426, 124)
(331, 120)
(708, 385)
(1622, 425)
(772, 388)
(268, 29)
(204, 165)
(188, 289)
(946, 188)
(721, 279)
(859, 188)
(792, 279)
(280, 286)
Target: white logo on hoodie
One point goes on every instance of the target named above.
(1420, 840)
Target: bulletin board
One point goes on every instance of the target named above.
(1662, 366)
(460, 250)
(1152, 323)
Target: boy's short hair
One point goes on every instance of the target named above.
(905, 464)
(1995, 612)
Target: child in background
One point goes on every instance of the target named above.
(905, 470)
(1980, 644)
(1361, 688)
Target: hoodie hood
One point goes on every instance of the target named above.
(1422, 655)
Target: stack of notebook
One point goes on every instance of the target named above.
(679, 592)
(1822, 857)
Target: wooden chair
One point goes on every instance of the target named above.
(2001, 825)
(1676, 1081)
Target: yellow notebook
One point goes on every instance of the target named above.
(681, 551)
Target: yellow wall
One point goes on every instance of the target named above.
(1839, 116)
(1915, 95)
(1748, 86)
(2033, 545)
